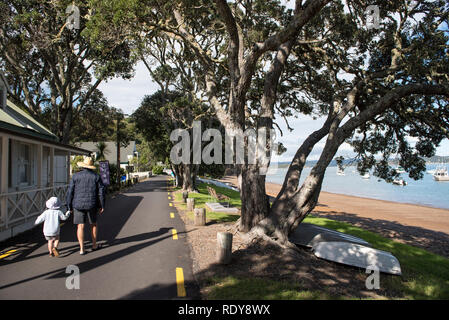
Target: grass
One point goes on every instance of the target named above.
(424, 275)
(234, 288)
(203, 196)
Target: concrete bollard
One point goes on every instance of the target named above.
(190, 204)
(200, 217)
(224, 247)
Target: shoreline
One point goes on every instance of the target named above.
(389, 201)
(335, 205)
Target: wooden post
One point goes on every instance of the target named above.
(200, 216)
(39, 166)
(185, 195)
(4, 179)
(51, 174)
(224, 247)
(190, 204)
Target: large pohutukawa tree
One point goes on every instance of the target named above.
(51, 65)
(374, 86)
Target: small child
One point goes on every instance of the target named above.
(51, 218)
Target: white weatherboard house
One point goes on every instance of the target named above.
(34, 167)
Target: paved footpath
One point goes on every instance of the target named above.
(144, 255)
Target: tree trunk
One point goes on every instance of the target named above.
(177, 170)
(289, 210)
(255, 204)
(188, 178)
(285, 218)
(67, 125)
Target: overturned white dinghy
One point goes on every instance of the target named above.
(308, 235)
(357, 255)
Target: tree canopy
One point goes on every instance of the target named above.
(51, 66)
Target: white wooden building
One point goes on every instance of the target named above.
(34, 167)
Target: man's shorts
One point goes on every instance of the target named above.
(85, 216)
(52, 237)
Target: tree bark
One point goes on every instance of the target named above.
(255, 204)
(188, 174)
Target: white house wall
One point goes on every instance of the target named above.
(19, 205)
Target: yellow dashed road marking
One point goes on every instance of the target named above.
(175, 234)
(180, 282)
(172, 215)
(170, 204)
(4, 255)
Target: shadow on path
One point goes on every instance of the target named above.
(105, 259)
(117, 212)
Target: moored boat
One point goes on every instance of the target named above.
(441, 174)
(400, 182)
(399, 169)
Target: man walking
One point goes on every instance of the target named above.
(86, 198)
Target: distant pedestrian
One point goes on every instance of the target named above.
(51, 218)
(86, 198)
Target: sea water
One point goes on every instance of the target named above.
(426, 192)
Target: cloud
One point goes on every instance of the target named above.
(127, 94)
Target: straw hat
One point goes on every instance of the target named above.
(53, 203)
(87, 163)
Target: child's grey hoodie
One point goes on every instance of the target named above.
(51, 219)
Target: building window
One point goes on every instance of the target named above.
(23, 164)
(24, 170)
(60, 167)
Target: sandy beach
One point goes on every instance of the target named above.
(417, 225)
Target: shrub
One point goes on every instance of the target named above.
(113, 173)
(158, 169)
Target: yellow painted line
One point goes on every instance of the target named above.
(175, 234)
(7, 253)
(172, 215)
(170, 204)
(180, 282)
(169, 198)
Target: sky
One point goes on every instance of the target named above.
(127, 95)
